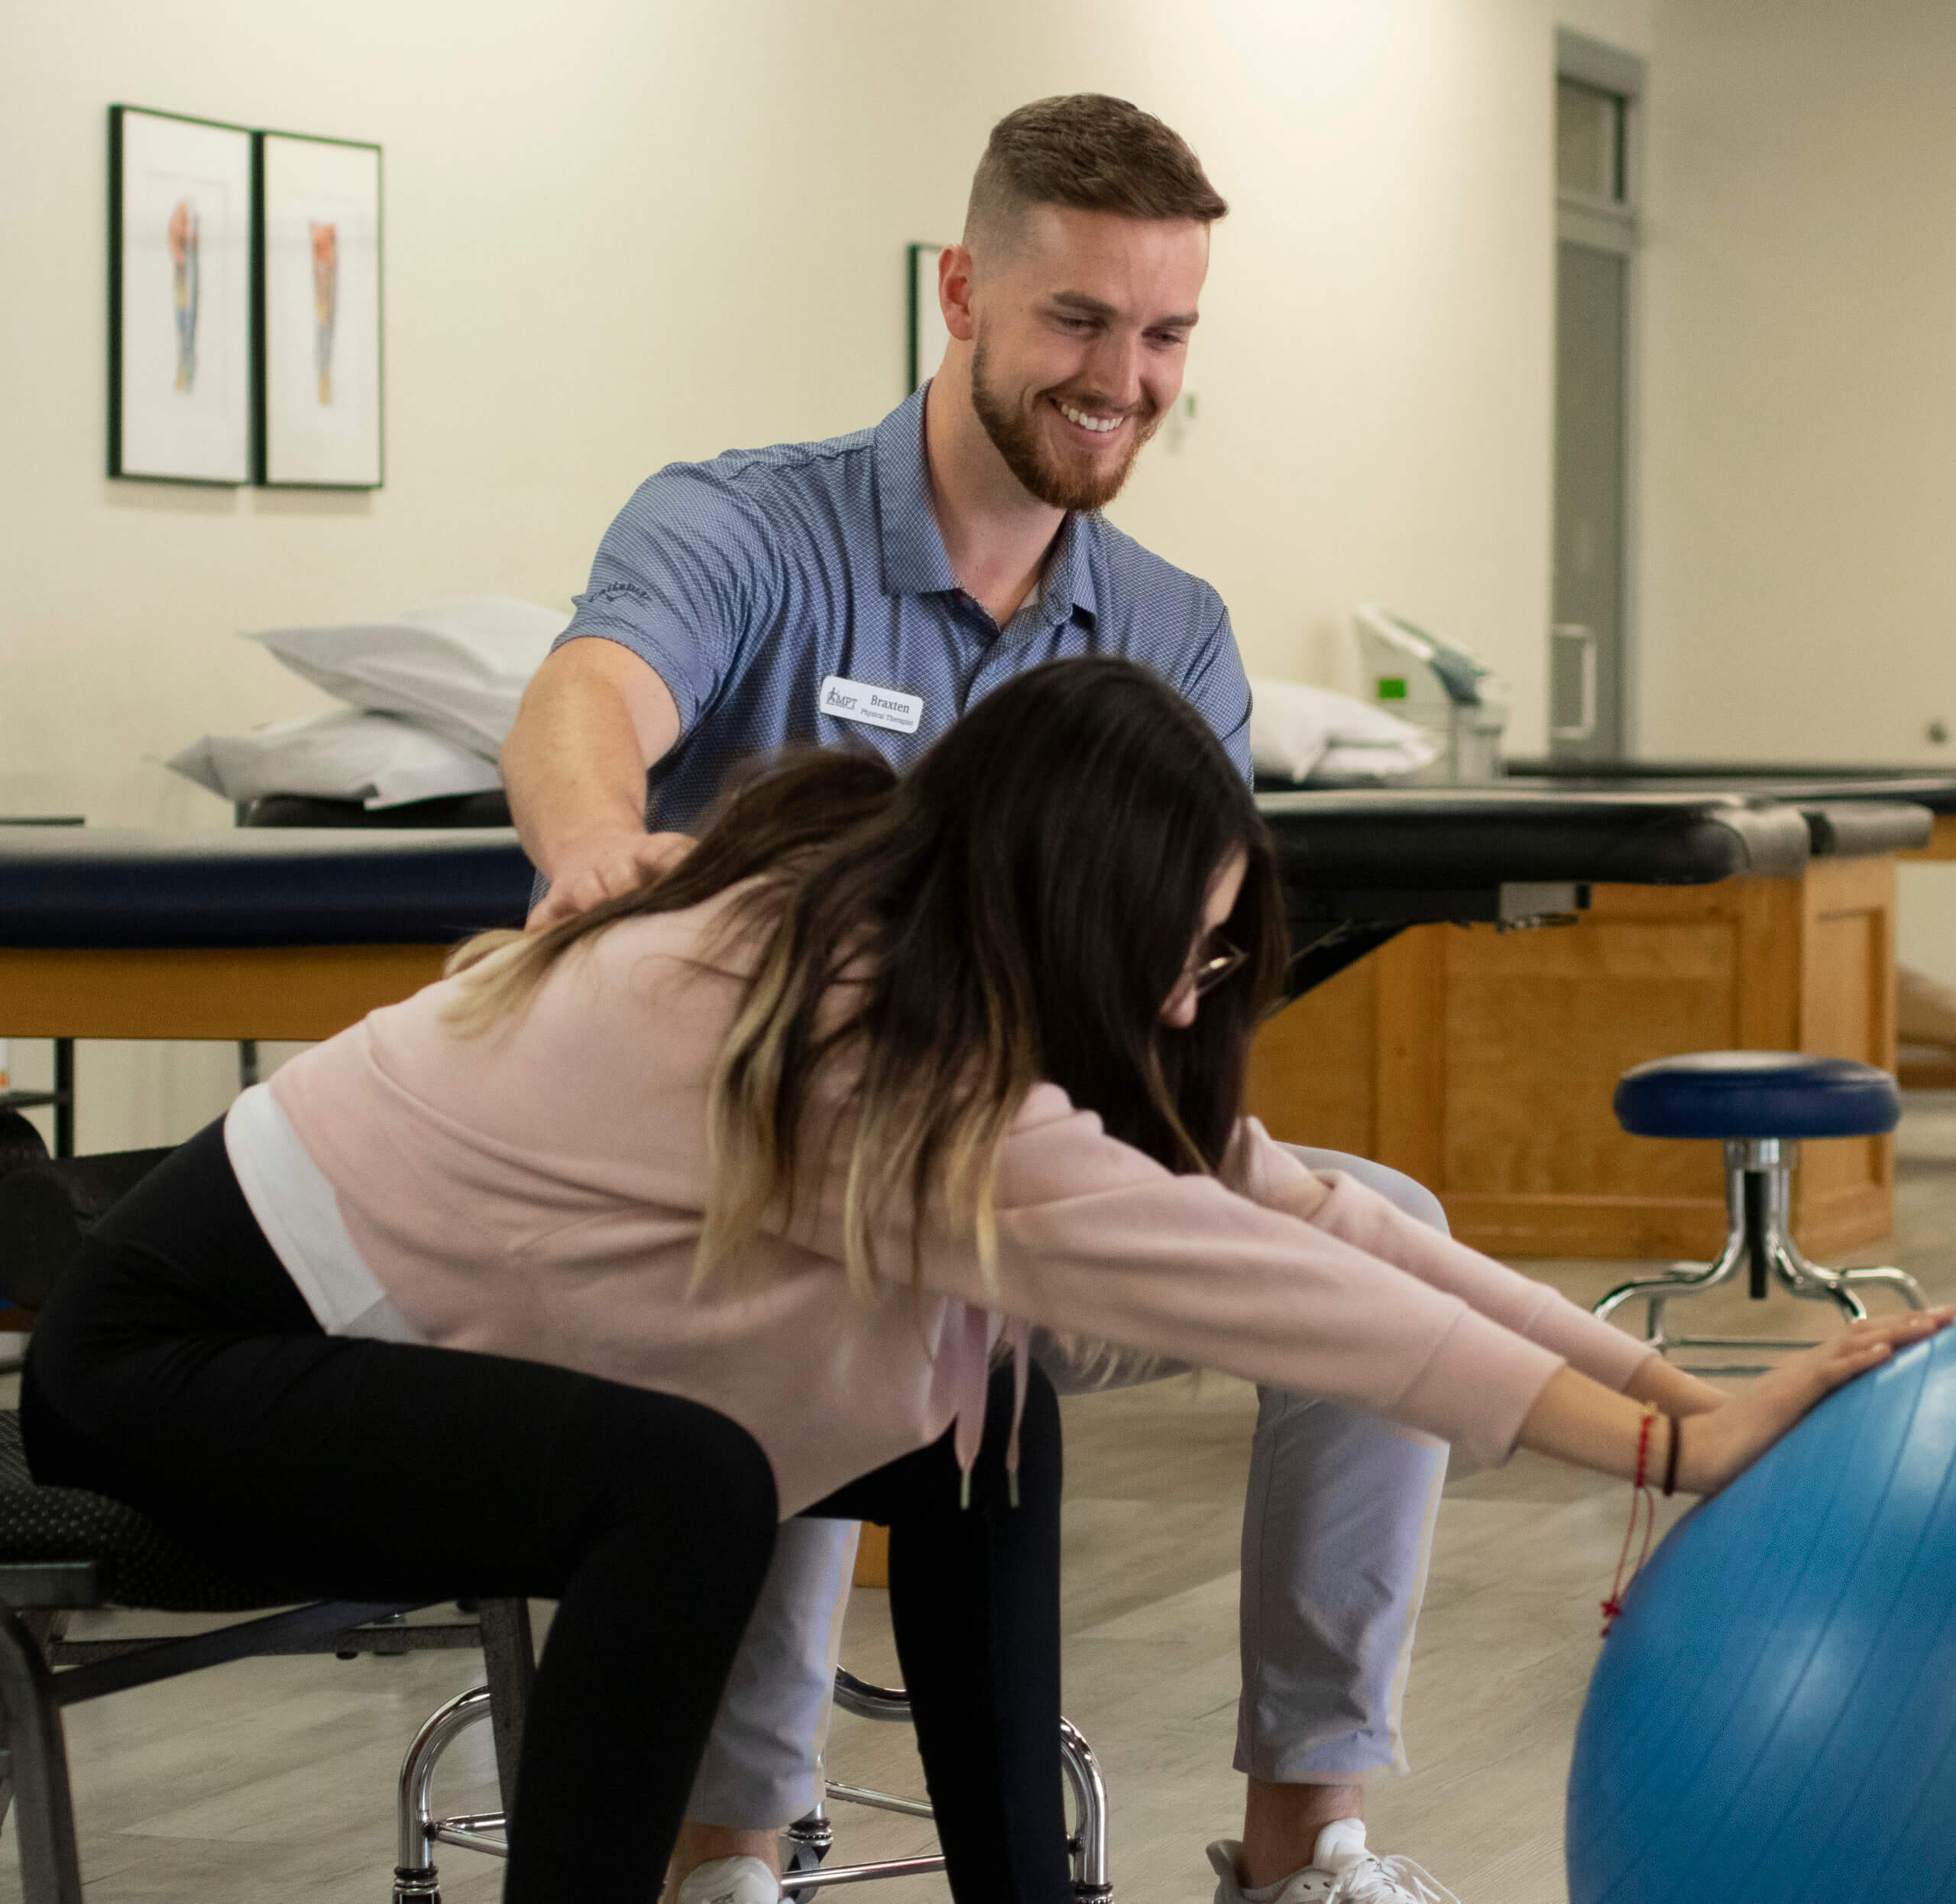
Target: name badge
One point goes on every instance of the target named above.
(874, 707)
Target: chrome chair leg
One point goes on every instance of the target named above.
(1759, 1202)
(1681, 1279)
(868, 1702)
(415, 1881)
(1840, 1287)
(1086, 1847)
(1091, 1884)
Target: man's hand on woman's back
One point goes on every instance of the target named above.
(604, 866)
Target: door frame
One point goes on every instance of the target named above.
(1616, 226)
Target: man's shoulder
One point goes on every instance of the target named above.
(785, 499)
(1137, 585)
(773, 470)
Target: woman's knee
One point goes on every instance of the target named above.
(1410, 1195)
(679, 1463)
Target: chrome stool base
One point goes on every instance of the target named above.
(806, 1845)
(1759, 1173)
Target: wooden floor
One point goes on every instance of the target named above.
(274, 1779)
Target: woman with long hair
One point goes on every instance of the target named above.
(736, 1198)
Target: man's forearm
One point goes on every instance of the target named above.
(573, 765)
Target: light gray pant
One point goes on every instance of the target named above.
(1337, 1530)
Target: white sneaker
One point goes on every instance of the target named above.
(1341, 1871)
(730, 1880)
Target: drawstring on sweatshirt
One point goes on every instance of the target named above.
(968, 1430)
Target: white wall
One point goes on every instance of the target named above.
(1628, 25)
(621, 233)
(1799, 569)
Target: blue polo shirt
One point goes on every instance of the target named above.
(802, 594)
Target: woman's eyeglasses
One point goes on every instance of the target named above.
(1217, 960)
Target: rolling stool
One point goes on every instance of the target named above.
(1761, 1104)
(805, 1844)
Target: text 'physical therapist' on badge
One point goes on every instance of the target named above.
(874, 707)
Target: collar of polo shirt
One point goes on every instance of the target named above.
(915, 562)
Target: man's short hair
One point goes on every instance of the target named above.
(1091, 153)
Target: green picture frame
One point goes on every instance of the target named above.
(925, 331)
(182, 231)
(320, 412)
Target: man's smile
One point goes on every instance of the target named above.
(1095, 425)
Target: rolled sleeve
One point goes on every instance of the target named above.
(1216, 686)
(676, 580)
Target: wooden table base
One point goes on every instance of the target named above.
(1483, 1063)
(297, 992)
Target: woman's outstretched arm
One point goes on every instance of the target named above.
(1580, 1421)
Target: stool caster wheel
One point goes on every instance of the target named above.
(803, 1845)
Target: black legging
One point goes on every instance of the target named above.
(177, 1367)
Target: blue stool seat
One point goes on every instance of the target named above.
(1757, 1094)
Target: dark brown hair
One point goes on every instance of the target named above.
(1091, 152)
(1018, 906)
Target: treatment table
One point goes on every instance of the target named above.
(278, 931)
(1929, 1067)
(1484, 1064)
(284, 931)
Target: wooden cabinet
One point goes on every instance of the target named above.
(873, 1556)
(1482, 1062)
(1927, 1067)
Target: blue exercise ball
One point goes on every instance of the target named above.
(1774, 1719)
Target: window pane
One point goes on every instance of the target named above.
(1588, 141)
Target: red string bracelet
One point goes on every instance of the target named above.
(1641, 1505)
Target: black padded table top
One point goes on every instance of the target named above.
(1473, 836)
(1419, 835)
(286, 886)
(1359, 865)
(1778, 780)
(1853, 829)
(103, 887)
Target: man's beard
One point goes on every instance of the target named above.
(1058, 482)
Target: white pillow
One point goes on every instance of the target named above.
(1302, 732)
(457, 667)
(375, 759)
(1346, 763)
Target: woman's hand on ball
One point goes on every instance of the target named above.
(1720, 1445)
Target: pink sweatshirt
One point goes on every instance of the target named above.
(536, 1191)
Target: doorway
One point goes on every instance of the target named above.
(1598, 91)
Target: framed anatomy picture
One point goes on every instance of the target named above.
(928, 335)
(320, 385)
(179, 298)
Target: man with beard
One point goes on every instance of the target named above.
(869, 588)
